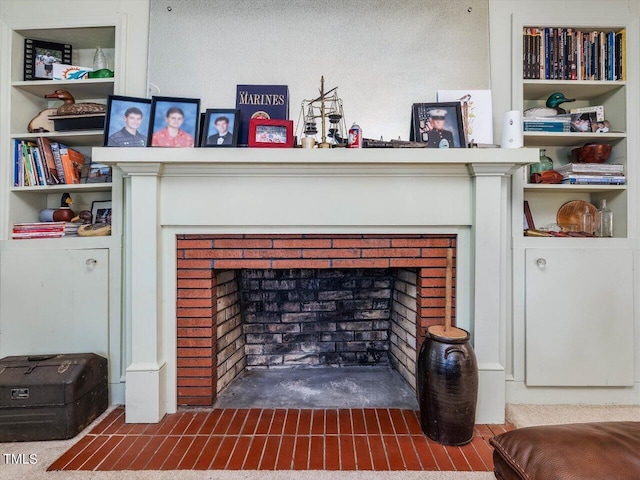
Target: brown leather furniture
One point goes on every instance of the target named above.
(580, 451)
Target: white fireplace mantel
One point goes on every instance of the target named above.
(232, 190)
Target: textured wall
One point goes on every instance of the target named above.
(383, 55)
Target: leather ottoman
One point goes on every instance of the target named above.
(580, 451)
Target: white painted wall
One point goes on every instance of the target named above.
(383, 55)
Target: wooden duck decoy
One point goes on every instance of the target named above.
(552, 106)
(64, 213)
(70, 107)
(42, 122)
(85, 216)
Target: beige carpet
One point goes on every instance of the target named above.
(530, 415)
(520, 415)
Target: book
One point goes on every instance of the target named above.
(29, 167)
(38, 230)
(55, 150)
(71, 161)
(575, 179)
(546, 127)
(37, 160)
(611, 168)
(44, 145)
(18, 179)
(260, 101)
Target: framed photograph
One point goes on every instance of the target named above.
(582, 122)
(40, 56)
(220, 128)
(96, 173)
(101, 211)
(439, 125)
(270, 133)
(601, 126)
(174, 122)
(127, 121)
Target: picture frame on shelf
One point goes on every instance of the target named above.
(270, 133)
(438, 124)
(127, 121)
(101, 211)
(583, 122)
(601, 126)
(220, 128)
(40, 56)
(528, 217)
(96, 173)
(174, 122)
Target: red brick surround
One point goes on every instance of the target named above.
(200, 256)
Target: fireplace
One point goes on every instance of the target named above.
(171, 193)
(275, 301)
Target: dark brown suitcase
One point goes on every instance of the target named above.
(50, 397)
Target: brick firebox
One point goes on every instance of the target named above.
(210, 339)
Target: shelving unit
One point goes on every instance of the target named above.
(72, 284)
(573, 298)
(611, 94)
(28, 98)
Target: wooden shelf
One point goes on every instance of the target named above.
(63, 243)
(559, 188)
(582, 89)
(562, 139)
(80, 89)
(93, 187)
(78, 37)
(72, 138)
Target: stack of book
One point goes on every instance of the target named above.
(558, 123)
(38, 230)
(592, 174)
(71, 229)
(45, 163)
(571, 54)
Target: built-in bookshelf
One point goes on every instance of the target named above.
(587, 64)
(576, 284)
(30, 189)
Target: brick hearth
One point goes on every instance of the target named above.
(213, 346)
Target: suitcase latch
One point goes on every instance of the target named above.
(64, 366)
(19, 393)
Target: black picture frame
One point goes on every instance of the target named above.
(121, 117)
(213, 122)
(39, 57)
(450, 135)
(165, 108)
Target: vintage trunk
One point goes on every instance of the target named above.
(50, 397)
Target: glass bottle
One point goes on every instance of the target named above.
(99, 60)
(586, 221)
(545, 163)
(604, 221)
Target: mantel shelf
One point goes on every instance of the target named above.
(402, 157)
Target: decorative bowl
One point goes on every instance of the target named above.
(591, 153)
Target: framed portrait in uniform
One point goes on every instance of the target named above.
(439, 125)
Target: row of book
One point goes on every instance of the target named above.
(559, 123)
(45, 230)
(592, 173)
(45, 163)
(571, 54)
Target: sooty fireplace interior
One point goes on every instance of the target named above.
(363, 300)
